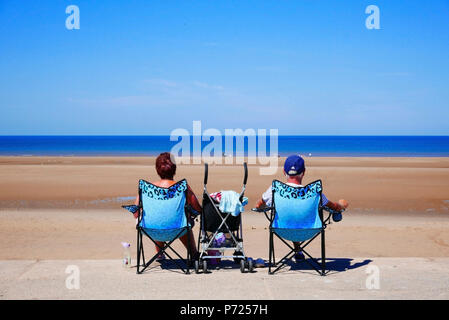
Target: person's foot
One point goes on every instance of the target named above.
(299, 256)
(259, 263)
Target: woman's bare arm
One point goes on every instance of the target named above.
(136, 214)
(192, 199)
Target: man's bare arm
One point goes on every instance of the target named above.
(260, 203)
(337, 206)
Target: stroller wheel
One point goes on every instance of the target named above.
(197, 266)
(250, 265)
(204, 266)
(242, 266)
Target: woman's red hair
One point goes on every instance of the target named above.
(165, 167)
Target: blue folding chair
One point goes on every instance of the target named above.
(296, 215)
(163, 217)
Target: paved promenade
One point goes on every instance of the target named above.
(358, 278)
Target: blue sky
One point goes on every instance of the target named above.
(147, 67)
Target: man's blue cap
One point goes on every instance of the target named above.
(294, 165)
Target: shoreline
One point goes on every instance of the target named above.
(280, 156)
(6, 159)
(376, 183)
(283, 145)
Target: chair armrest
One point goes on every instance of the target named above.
(132, 208)
(264, 210)
(192, 211)
(330, 211)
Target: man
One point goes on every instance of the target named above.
(294, 170)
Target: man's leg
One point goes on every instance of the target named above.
(296, 246)
(298, 255)
(158, 249)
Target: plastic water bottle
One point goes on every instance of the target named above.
(126, 254)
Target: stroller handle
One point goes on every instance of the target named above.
(206, 169)
(245, 166)
(206, 173)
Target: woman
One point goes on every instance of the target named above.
(166, 170)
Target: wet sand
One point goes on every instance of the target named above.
(69, 207)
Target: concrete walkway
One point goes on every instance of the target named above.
(358, 278)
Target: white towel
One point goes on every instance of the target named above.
(230, 203)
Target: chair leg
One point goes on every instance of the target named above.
(189, 253)
(142, 249)
(163, 249)
(270, 253)
(198, 242)
(140, 254)
(138, 251)
(323, 254)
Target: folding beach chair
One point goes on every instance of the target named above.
(296, 215)
(163, 217)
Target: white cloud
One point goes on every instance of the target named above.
(269, 69)
(207, 85)
(161, 82)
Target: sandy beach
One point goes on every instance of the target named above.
(69, 207)
(57, 212)
(91, 94)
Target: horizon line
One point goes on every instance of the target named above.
(190, 135)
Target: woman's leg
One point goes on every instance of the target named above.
(161, 244)
(185, 241)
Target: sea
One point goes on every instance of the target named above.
(319, 146)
